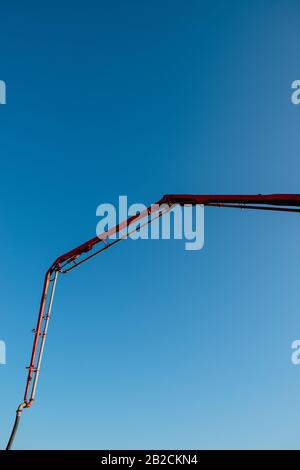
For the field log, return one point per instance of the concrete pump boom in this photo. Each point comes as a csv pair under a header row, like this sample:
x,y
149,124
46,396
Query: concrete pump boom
x,y
84,252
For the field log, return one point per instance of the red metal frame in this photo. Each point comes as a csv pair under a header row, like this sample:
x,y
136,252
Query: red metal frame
x,y
73,258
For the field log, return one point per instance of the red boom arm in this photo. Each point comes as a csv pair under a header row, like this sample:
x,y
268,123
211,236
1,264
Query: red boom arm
x,y
70,260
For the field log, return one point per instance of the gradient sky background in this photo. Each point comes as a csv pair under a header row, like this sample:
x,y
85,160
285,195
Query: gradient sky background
x,y
151,346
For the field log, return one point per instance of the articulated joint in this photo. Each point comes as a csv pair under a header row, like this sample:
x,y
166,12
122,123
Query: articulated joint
x,y
21,407
55,267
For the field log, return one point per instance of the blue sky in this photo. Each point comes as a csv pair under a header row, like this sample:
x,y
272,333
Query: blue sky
x,y
151,346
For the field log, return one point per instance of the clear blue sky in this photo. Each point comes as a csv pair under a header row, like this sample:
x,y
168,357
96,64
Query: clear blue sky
x,y
151,346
